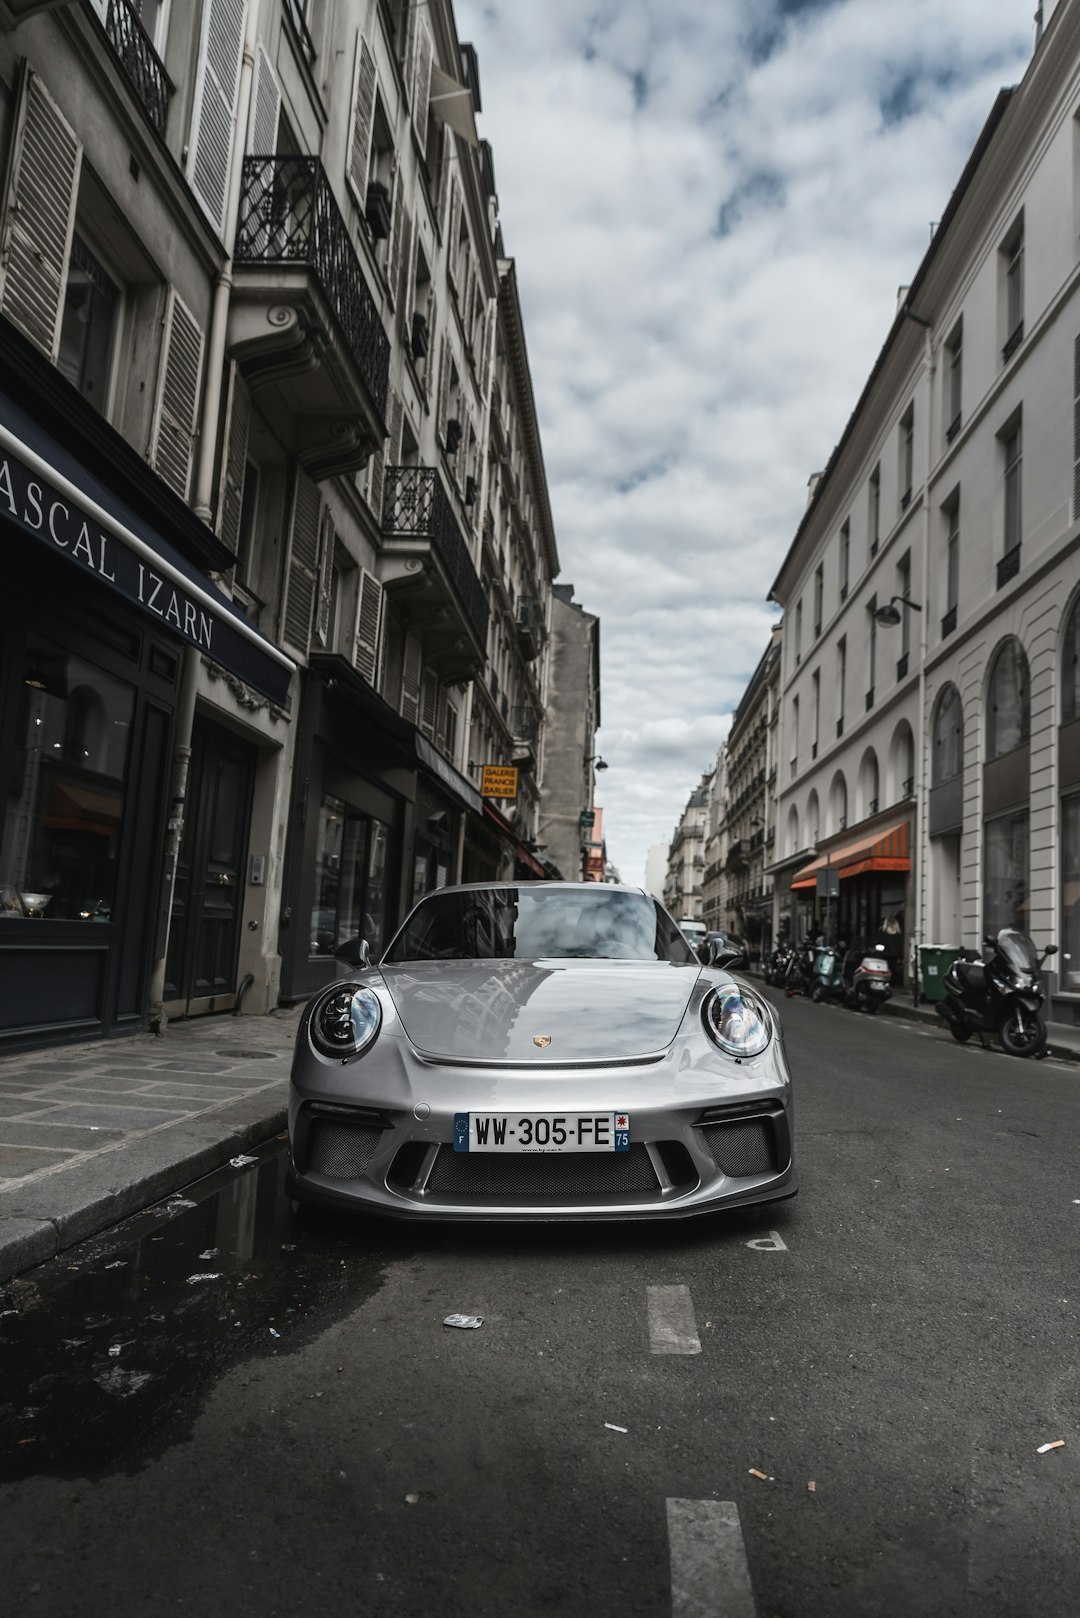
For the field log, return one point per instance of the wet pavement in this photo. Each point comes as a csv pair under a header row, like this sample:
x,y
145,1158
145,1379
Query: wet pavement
x,y
107,1350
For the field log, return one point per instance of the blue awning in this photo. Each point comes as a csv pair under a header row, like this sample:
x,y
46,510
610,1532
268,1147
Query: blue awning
x,y
49,496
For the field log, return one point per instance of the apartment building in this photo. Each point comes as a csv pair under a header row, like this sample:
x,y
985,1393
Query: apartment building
x,y
930,689
264,384
748,823
714,875
684,889
568,825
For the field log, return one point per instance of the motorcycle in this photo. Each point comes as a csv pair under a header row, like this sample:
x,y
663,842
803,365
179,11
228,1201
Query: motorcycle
x,y
799,977
776,968
999,995
867,978
828,974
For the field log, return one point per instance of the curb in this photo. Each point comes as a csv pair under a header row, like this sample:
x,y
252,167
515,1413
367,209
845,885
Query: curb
x,y
40,1221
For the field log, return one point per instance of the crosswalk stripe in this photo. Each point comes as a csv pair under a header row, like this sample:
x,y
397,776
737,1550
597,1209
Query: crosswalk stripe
x,y
710,1576
672,1327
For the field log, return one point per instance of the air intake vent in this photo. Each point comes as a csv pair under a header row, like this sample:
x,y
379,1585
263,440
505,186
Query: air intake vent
x,y
523,1174
341,1151
742,1148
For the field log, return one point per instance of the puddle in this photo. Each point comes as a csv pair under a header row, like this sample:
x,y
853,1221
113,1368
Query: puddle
x,y
108,1351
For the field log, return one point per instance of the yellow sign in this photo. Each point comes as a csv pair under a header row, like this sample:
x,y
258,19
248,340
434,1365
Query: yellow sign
x,y
498,781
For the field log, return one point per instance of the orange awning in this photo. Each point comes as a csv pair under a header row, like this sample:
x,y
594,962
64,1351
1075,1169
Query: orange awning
x,y
880,851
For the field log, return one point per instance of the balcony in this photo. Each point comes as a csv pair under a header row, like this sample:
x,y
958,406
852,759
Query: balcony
x,y
426,563
525,724
303,324
529,623
140,61
737,857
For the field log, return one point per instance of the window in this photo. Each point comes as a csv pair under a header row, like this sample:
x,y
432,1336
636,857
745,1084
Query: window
x,y
951,513
88,325
1008,708
1070,670
841,682
1070,893
66,799
1006,872
954,381
154,16
875,509
871,657
815,733
948,738
1013,263
845,557
907,455
903,590
350,878
819,596
1012,454
798,634
794,734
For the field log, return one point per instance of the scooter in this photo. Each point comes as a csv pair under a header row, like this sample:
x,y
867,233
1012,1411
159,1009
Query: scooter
x,y
799,977
867,978
776,970
999,995
828,974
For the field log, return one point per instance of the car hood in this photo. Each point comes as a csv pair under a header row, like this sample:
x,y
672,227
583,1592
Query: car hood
x,y
553,1011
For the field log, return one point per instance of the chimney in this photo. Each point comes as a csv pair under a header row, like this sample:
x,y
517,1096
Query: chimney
x,y
812,488
901,297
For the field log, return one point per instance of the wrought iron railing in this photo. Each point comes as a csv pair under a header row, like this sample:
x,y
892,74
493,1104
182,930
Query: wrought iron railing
x,y
289,215
416,506
139,60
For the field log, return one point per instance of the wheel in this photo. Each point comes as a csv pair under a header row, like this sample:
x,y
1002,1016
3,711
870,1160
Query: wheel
x,y
960,1032
1022,1033
817,993
872,1006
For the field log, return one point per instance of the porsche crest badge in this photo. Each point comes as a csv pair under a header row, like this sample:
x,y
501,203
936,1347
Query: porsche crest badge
x,y
543,1040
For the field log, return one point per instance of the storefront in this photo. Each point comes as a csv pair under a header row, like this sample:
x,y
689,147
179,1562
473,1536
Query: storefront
x,y
105,595
871,891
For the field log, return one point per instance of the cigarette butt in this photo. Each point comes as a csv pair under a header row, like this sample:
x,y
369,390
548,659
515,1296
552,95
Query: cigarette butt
x,y
811,1487
754,1473
1059,1443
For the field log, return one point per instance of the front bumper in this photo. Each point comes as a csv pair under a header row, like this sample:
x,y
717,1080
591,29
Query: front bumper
x,y
378,1136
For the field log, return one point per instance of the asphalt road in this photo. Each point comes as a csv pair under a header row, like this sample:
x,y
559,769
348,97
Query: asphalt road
x,y
297,1432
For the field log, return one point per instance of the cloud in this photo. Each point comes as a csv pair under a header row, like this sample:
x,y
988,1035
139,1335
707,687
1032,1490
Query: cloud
x,y
711,208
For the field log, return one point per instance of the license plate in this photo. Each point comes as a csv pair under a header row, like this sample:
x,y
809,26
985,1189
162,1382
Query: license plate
x,y
541,1132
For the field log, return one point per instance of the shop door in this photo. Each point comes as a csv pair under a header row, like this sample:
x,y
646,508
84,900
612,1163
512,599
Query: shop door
x,y
207,912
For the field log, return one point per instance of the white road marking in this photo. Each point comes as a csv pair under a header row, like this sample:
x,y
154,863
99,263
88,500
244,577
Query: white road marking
x,y
710,1576
772,1243
672,1327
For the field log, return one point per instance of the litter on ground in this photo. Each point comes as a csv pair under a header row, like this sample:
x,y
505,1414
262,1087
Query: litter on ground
x,y
1058,1443
610,1425
466,1322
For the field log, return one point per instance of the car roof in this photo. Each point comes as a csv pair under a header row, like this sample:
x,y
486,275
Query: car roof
x,y
484,887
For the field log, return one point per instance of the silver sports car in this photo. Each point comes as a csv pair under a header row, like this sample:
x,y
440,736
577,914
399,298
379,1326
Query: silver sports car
x,y
542,1050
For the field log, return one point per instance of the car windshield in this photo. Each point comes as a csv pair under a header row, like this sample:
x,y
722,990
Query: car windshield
x,y
542,923
1018,949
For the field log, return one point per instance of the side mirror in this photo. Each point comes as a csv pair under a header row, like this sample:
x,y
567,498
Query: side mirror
x,y
1051,949
725,956
355,953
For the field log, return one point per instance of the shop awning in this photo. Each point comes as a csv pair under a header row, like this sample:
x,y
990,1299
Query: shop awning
x,y
52,499
880,851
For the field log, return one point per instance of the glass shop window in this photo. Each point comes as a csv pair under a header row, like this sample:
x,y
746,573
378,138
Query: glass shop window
x,y
65,808
350,879
1006,873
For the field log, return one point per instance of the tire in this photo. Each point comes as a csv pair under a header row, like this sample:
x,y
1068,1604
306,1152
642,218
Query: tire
x,y
817,993
873,1006
1026,1038
960,1032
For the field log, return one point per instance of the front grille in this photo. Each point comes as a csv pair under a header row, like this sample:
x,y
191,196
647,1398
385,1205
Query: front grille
x,y
741,1148
577,1175
341,1151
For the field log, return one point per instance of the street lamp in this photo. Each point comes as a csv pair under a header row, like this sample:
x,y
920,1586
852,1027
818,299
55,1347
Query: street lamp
x,y
596,761
889,614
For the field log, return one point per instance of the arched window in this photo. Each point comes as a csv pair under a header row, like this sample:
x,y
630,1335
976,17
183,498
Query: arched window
x,y
813,820
793,830
838,803
869,783
901,763
948,760
1070,667
1008,702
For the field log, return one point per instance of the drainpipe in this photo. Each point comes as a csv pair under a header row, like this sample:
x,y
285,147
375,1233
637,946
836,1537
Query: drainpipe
x,y
202,501
921,853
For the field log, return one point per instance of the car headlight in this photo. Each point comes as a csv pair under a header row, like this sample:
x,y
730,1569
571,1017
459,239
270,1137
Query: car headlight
x,y
346,1021
737,1021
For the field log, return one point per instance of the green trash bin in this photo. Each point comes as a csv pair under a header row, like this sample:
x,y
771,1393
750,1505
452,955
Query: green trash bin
x,y
934,961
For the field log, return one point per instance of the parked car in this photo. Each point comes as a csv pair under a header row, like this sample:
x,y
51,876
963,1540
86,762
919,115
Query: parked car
x,y
512,1057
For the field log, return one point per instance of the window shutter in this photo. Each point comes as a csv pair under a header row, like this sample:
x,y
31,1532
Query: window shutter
x,y
210,146
265,109
397,427
39,217
393,262
442,415
420,88
450,732
369,622
1076,429
429,362
429,703
173,436
363,114
300,576
410,679
490,315
234,459
408,280
326,577
453,233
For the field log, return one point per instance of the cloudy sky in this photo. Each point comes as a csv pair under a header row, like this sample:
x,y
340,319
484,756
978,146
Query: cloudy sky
x,y
711,204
